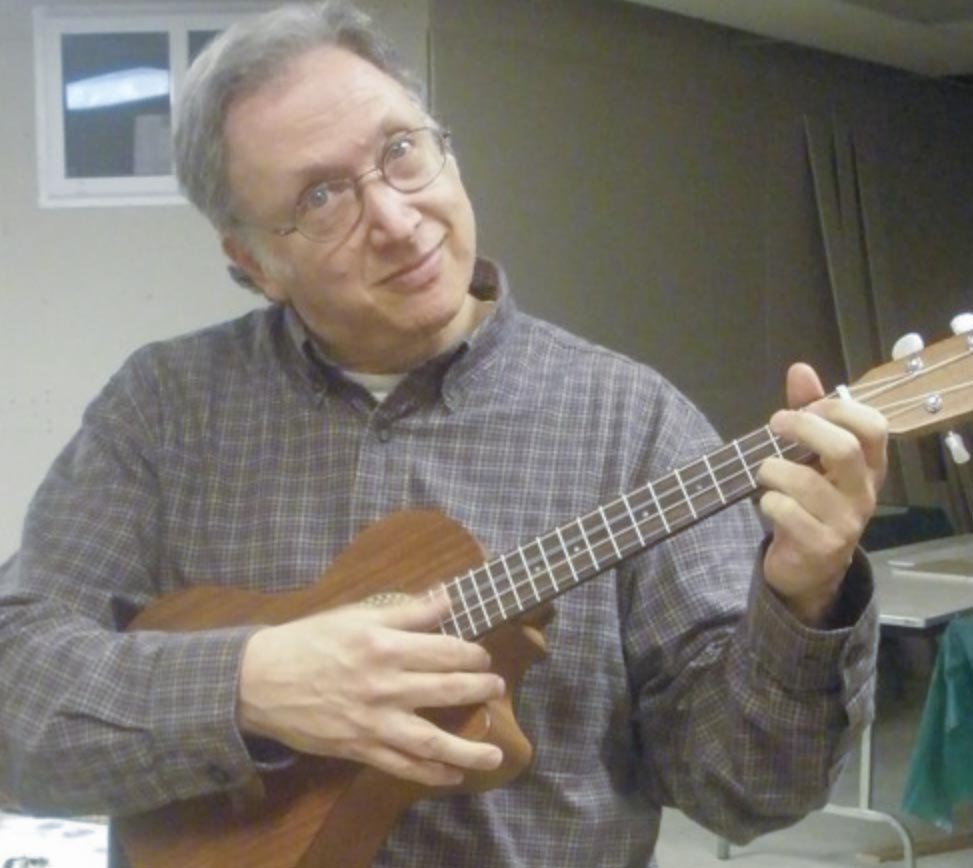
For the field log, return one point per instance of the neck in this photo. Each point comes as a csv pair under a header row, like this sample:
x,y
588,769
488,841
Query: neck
x,y
396,357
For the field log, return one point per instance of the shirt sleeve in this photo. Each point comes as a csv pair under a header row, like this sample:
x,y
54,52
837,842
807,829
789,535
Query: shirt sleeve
x,y
745,715
94,720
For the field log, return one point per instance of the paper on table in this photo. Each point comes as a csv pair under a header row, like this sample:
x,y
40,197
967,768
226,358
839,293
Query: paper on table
x,y
63,843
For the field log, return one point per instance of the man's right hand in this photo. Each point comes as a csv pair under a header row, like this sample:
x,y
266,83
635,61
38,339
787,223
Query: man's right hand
x,y
347,683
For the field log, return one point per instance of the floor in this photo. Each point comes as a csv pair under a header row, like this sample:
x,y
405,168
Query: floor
x,y
824,839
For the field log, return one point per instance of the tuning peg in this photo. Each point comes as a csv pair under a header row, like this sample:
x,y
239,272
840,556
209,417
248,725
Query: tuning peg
x,y
906,346
957,448
961,323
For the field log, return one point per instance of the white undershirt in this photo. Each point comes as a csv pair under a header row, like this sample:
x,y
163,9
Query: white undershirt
x,y
380,385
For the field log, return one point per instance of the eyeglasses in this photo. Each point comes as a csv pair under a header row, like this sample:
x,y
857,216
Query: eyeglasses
x,y
410,161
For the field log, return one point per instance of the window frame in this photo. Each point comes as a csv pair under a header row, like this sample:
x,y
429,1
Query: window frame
x,y
51,24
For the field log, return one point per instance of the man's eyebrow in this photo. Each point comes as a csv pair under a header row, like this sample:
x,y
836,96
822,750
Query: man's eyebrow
x,y
321,172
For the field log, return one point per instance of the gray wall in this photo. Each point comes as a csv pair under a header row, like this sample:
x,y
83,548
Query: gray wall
x,y
80,288
645,178
642,177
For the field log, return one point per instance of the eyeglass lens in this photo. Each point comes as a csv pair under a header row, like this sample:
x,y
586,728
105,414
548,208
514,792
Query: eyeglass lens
x,y
410,161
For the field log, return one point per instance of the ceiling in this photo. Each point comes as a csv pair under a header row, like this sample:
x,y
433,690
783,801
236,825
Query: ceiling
x,y
929,37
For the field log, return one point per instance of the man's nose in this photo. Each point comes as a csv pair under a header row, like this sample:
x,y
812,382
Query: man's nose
x,y
391,214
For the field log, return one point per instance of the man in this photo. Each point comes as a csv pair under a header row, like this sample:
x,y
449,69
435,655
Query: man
x,y
392,370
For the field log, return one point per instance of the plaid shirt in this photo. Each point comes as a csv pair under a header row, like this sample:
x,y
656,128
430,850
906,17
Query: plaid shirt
x,y
236,456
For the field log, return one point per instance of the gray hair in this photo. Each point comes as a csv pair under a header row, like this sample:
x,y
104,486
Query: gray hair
x,y
247,56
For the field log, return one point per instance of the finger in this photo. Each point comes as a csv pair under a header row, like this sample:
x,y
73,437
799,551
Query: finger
x,y
417,737
839,451
425,652
440,690
793,520
809,509
803,385
868,425
402,765
419,613
806,556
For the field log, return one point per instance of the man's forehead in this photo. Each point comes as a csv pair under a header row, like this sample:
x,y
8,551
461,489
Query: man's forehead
x,y
327,87
327,108
339,77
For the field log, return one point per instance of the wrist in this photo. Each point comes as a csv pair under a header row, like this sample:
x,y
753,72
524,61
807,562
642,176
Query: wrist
x,y
250,718
813,610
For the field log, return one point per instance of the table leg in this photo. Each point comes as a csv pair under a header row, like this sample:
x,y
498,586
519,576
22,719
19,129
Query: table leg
x,y
864,810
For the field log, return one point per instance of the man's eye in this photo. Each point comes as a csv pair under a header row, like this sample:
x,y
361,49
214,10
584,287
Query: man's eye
x,y
317,198
399,148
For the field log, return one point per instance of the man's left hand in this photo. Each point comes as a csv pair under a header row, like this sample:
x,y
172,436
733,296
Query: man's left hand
x,y
819,511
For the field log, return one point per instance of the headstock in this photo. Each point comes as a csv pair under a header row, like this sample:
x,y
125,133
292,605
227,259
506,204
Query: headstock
x,y
924,389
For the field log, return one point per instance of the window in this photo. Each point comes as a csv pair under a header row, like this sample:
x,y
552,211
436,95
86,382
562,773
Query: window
x,y
106,81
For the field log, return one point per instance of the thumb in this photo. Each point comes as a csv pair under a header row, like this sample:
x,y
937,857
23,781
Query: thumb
x,y
803,386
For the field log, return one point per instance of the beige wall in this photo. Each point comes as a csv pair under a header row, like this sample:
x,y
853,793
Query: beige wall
x,y
80,288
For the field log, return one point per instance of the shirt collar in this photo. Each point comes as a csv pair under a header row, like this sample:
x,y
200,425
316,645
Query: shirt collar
x,y
487,284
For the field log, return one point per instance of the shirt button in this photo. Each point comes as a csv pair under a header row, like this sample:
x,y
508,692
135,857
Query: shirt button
x,y
385,434
218,774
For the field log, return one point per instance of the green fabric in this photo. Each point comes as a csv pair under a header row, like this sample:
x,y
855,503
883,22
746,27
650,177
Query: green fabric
x,y
941,768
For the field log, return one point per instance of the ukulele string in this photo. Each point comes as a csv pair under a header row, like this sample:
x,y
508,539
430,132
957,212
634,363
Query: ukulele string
x,y
594,540
521,579
867,392
906,405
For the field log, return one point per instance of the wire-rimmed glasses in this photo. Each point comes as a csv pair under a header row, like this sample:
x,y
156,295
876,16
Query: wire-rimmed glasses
x,y
410,161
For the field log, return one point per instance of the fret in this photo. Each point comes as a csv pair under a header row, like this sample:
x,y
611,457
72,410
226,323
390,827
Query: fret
x,y
676,500
591,551
452,610
743,461
547,567
658,507
476,589
530,574
431,595
774,441
611,536
466,608
568,556
644,514
762,445
685,494
635,524
733,481
513,584
488,566
712,475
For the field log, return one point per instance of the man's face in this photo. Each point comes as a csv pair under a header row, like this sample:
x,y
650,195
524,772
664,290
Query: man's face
x,y
395,290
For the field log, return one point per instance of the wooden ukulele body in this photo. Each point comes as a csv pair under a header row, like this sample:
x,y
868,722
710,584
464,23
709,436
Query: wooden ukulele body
x,y
321,812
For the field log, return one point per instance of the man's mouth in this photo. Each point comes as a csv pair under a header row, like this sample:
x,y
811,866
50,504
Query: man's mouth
x,y
419,271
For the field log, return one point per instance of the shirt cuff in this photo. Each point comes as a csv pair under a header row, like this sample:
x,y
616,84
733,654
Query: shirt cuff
x,y
808,659
198,747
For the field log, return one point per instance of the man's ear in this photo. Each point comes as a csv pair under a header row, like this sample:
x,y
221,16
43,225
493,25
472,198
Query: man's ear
x,y
241,256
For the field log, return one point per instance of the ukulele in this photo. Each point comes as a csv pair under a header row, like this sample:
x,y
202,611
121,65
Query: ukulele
x,y
320,812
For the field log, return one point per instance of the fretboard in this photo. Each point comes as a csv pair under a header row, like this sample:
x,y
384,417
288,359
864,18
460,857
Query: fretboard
x,y
561,559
